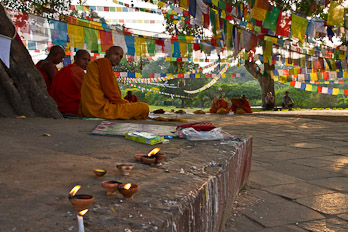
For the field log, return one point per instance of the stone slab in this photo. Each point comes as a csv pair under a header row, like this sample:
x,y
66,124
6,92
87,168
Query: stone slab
x,y
337,183
297,190
333,203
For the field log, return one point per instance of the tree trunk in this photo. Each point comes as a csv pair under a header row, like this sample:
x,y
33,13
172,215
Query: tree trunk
x,y
265,80
22,88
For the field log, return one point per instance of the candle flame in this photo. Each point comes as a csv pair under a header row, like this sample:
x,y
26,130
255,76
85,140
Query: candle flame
x,y
153,152
74,190
83,212
127,186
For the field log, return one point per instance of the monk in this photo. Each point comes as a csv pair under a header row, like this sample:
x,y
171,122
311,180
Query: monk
x,y
47,67
219,105
131,97
100,94
241,105
66,85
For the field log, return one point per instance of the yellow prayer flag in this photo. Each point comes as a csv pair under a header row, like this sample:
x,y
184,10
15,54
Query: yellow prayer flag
x,y
195,60
314,77
298,27
215,2
85,8
168,59
184,4
161,4
189,39
138,74
183,50
335,91
309,87
345,74
118,9
258,13
198,75
76,35
335,15
140,46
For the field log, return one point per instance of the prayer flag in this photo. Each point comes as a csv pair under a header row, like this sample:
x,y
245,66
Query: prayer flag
x,y
335,14
130,45
271,19
258,12
105,40
59,32
5,45
283,24
298,27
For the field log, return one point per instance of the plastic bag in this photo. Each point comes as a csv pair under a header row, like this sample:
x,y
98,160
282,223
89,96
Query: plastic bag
x,y
191,134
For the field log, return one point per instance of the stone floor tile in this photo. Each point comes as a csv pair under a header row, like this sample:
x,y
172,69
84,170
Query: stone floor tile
x,y
269,178
290,228
325,225
333,203
271,214
312,162
338,183
241,223
343,216
301,171
297,190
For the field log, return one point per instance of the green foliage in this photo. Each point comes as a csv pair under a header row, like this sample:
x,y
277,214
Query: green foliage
x,y
49,8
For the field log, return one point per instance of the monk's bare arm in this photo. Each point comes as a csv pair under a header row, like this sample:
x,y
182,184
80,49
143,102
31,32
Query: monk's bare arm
x,y
49,69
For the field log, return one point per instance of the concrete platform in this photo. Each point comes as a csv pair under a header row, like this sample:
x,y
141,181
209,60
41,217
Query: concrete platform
x,y
192,191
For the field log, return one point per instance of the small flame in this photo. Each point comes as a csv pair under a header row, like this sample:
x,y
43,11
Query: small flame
x,y
74,190
127,186
153,152
83,212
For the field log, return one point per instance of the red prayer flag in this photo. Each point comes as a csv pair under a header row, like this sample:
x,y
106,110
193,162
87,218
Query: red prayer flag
x,y
320,89
345,91
283,24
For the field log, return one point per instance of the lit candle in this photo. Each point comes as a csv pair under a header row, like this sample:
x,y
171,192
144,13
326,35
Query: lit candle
x,y
80,220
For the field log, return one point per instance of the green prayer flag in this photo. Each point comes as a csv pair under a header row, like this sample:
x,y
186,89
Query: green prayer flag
x,y
151,46
271,19
91,38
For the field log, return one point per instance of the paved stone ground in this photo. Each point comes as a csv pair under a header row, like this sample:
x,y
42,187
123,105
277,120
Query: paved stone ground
x,y
299,175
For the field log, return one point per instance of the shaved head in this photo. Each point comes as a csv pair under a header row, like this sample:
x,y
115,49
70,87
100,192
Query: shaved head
x,y
82,58
114,54
57,53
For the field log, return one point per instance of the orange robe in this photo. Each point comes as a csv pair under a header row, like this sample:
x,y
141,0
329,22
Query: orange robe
x,y
240,107
101,96
217,104
66,87
44,75
132,98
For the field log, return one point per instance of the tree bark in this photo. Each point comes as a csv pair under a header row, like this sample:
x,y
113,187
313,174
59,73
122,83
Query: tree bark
x,y
265,80
22,88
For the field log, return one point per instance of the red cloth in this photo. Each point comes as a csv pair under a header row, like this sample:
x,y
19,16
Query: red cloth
x,y
44,75
131,99
284,24
238,103
198,126
65,88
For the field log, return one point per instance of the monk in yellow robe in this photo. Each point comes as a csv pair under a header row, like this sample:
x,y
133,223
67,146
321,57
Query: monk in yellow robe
x,y
100,94
219,105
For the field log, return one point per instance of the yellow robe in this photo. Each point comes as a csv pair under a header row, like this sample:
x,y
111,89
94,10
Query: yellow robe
x,y
101,96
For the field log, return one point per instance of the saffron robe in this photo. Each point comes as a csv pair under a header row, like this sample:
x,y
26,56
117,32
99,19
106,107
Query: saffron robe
x,y
44,75
240,107
101,96
66,87
132,98
217,104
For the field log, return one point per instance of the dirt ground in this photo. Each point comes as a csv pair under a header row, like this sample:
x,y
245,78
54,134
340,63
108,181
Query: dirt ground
x,y
37,173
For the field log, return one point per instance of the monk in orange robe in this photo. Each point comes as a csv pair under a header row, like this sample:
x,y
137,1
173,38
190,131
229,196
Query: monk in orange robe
x,y
100,94
66,85
131,97
47,67
219,105
241,105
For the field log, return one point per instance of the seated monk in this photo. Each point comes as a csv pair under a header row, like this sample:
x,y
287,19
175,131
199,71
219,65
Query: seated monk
x,y
131,97
240,105
47,67
100,94
66,85
219,105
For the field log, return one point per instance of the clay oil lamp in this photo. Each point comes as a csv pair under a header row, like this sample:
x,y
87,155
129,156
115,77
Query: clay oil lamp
x,y
110,187
80,220
125,168
150,158
80,201
128,190
138,157
99,172
160,157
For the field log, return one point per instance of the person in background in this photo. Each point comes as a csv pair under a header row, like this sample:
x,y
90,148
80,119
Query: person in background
x,y
47,67
100,94
241,105
269,99
219,105
66,85
288,103
131,97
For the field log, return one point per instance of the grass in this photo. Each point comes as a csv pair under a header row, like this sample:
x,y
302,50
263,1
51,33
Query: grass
x,y
168,108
